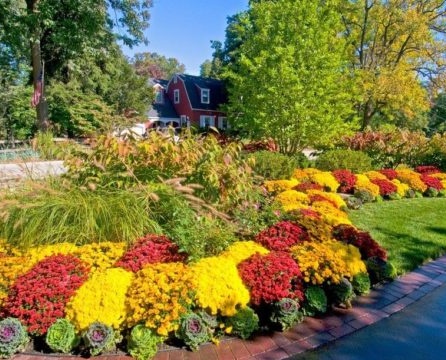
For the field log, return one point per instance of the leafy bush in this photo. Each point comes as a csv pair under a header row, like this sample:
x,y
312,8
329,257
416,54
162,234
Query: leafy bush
x,y
380,270
142,342
364,195
243,323
13,337
431,192
274,165
355,161
315,301
61,336
193,331
98,338
361,283
285,313
341,293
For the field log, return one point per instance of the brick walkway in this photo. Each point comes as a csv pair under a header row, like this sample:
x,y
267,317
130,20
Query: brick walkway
x,y
383,301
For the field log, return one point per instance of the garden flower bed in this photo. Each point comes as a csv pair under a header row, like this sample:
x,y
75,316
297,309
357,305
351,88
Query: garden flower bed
x,y
93,298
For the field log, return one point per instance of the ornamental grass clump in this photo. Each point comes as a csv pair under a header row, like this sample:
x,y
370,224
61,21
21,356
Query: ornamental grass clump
x,y
62,337
142,342
285,313
281,236
315,301
38,298
13,337
271,277
244,323
360,239
101,298
193,331
218,286
159,295
150,249
99,338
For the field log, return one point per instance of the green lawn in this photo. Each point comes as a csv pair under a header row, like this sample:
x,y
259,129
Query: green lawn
x,y
411,230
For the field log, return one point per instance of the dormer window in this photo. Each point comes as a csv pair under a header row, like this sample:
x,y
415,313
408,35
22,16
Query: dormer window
x,y
205,96
176,96
159,97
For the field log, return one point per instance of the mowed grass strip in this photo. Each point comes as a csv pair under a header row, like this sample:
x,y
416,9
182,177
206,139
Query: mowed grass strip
x,y
413,231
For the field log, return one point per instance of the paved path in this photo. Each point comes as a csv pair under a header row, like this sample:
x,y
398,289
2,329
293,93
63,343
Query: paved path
x,y
36,169
410,308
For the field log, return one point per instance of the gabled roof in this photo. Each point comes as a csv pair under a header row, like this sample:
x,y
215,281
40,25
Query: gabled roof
x,y
194,84
162,82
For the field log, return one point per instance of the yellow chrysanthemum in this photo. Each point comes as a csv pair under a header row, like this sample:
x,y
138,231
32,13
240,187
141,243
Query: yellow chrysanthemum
x,y
363,183
280,185
291,197
411,178
242,250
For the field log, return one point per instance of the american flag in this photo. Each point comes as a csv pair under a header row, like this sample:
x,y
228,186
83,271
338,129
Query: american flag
x,y
37,90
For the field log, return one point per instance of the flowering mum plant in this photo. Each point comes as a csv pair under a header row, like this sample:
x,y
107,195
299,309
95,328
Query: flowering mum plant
x,y
432,182
13,337
38,297
346,179
193,331
307,185
390,174
427,169
285,313
150,249
361,239
271,277
386,187
142,342
62,337
281,236
242,250
98,338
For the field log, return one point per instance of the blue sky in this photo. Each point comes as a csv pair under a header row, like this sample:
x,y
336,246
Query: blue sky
x,y
183,29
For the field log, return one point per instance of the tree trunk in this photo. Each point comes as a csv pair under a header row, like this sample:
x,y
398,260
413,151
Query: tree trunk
x,y
36,60
367,114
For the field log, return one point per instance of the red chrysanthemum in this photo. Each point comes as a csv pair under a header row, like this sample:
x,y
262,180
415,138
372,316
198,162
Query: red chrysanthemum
x,y
386,187
391,174
427,169
281,236
346,179
432,182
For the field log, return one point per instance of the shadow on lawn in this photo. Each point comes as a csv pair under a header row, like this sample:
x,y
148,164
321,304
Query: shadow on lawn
x,y
411,252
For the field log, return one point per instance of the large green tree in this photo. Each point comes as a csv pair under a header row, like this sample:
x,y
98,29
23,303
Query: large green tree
x,y
289,81
153,65
57,31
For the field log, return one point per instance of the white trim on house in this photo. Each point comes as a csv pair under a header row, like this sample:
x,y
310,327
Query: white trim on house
x,y
176,96
205,96
207,120
223,123
183,120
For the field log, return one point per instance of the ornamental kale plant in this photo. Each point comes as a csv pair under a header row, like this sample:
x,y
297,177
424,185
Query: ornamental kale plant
x,y
315,301
13,337
142,342
361,283
62,337
281,236
193,331
98,338
243,323
342,293
285,313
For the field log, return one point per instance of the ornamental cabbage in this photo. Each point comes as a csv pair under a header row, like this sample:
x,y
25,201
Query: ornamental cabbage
x,y
142,342
61,336
285,313
243,323
193,331
98,338
13,337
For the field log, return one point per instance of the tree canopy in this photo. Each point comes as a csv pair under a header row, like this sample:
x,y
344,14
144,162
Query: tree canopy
x,y
153,65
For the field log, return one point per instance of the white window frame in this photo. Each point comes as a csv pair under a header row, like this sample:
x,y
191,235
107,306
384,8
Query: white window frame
x,y
205,96
159,97
183,120
207,120
176,96
223,122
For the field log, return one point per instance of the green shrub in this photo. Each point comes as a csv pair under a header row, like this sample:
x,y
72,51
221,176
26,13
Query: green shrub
x,y
361,283
380,270
285,313
244,322
364,195
342,293
142,342
431,192
315,301
193,331
273,165
355,161
442,193
61,336
13,337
